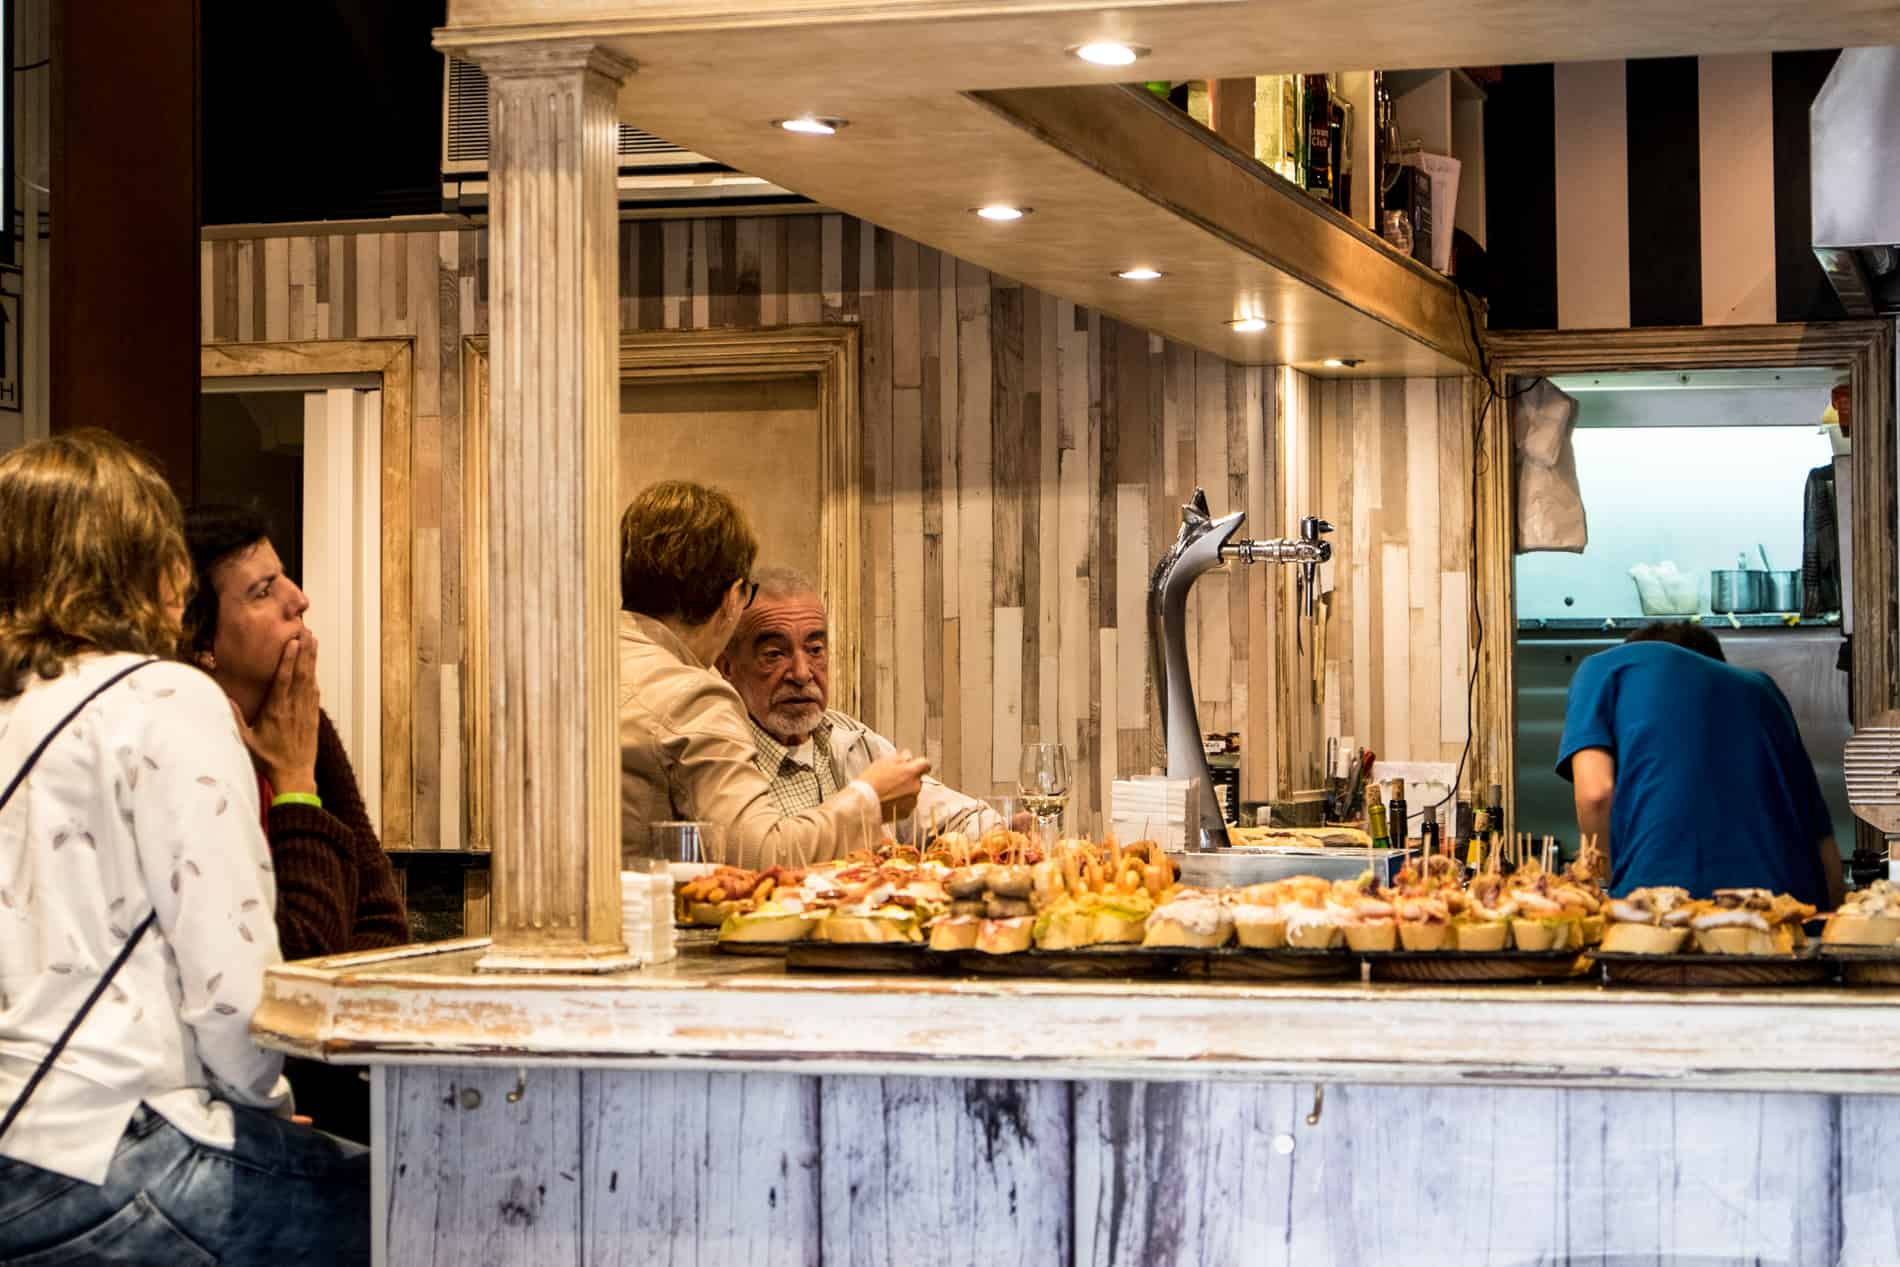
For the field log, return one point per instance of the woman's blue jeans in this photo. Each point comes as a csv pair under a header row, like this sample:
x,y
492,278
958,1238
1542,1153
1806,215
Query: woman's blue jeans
x,y
283,1195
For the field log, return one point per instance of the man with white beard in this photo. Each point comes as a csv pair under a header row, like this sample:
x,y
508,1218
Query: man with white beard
x,y
779,662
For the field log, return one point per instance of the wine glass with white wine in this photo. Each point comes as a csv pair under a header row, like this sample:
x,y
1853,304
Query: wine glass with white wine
x,y
1043,779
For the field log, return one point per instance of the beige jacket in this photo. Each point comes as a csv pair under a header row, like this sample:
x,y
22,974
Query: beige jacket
x,y
686,753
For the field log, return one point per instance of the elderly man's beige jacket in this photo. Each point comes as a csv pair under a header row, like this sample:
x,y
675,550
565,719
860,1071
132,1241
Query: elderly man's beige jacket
x,y
686,753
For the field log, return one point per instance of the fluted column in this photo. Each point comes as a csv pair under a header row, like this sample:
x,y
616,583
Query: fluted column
x,y
553,560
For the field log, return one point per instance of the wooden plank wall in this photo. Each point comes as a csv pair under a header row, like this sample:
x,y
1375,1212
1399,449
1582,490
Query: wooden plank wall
x,y
1024,461
429,286
1024,464
691,1167
1395,477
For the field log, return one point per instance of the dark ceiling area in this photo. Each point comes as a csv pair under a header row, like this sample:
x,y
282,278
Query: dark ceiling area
x,y
320,109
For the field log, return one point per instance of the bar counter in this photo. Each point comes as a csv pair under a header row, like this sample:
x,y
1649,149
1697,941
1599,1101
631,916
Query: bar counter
x,y
724,1110
426,1004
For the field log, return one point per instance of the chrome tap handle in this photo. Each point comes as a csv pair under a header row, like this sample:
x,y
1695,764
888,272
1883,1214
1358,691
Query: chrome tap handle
x,y
1311,530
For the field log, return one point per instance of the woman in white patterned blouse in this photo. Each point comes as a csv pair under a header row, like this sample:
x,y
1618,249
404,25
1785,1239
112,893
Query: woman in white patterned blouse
x,y
159,1132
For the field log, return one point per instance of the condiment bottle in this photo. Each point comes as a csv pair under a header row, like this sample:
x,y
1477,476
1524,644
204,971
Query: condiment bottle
x,y
1396,812
1494,811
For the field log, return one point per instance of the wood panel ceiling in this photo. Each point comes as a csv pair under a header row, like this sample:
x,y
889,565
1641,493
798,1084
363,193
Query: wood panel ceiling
x,y
920,151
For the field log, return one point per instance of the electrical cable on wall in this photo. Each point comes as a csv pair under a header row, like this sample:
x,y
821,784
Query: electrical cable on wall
x,y
1490,399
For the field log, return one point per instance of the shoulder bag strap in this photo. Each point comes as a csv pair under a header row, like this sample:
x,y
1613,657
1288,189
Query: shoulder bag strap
x,y
125,951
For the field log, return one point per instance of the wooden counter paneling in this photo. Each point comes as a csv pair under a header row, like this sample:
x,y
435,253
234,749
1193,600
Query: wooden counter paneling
x,y
683,1167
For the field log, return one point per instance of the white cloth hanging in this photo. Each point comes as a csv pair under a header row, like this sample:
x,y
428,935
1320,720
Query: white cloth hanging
x,y
1549,502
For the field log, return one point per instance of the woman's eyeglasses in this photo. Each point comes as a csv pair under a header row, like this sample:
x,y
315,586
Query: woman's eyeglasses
x,y
751,592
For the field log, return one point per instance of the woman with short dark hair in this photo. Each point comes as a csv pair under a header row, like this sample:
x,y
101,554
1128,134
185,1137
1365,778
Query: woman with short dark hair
x,y
336,891
686,749
139,1122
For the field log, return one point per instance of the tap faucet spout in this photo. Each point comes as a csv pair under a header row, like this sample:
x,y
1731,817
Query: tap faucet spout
x,y
1204,543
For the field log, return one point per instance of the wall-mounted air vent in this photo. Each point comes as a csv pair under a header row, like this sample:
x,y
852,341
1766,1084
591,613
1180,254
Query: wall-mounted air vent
x,y
656,176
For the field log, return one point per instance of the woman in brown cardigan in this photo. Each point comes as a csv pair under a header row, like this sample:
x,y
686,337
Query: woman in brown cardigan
x,y
336,891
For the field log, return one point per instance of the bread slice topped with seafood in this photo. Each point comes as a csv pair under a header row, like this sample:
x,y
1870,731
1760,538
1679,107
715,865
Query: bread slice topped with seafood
x,y
1751,922
1869,917
989,909
1197,919
1096,895
1650,921
894,905
1484,926
708,900
1549,910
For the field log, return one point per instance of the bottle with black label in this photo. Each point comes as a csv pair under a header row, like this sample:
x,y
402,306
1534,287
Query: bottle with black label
x,y
1341,150
1428,841
1318,130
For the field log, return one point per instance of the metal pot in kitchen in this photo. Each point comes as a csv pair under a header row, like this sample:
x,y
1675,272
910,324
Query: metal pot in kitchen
x,y
1736,590
1781,591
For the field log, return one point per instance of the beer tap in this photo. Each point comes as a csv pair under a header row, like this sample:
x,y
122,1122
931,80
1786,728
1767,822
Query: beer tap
x,y
1205,543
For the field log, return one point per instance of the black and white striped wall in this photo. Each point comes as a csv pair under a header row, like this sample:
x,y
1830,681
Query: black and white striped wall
x,y
1667,191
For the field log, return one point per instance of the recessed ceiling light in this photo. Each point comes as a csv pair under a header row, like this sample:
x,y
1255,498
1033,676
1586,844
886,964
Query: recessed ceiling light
x,y
1249,325
1002,211
811,125
1140,274
1340,362
1109,53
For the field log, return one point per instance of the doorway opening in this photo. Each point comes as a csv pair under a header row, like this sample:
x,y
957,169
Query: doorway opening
x,y
306,453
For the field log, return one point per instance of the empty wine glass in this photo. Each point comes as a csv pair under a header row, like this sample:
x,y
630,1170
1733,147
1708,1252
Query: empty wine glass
x,y
1043,778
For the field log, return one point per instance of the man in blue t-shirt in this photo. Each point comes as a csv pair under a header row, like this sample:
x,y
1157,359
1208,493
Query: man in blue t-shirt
x,y
1691,772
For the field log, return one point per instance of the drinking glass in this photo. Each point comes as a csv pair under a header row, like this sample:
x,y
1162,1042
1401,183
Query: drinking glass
x,y
1043,778
687,842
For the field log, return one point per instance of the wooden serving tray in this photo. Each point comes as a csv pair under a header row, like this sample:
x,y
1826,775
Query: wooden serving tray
x,y
887,956
1454,967
1288,963
753,949
1115,960
1865,965
1699,970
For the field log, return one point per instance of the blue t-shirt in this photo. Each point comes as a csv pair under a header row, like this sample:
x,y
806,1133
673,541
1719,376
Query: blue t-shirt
x,y
1713,789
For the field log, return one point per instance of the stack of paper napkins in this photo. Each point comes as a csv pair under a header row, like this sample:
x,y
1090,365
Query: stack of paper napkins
x,y
1152,807
646,916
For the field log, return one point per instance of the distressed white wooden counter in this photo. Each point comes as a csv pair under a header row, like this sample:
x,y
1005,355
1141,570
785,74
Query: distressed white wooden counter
x,y
722,1111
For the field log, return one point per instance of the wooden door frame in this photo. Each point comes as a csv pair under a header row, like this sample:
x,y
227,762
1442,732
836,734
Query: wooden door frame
x,y
826,353
394,361
1864,350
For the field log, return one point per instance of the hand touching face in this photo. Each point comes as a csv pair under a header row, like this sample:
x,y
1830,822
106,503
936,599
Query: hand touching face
x,y
259,611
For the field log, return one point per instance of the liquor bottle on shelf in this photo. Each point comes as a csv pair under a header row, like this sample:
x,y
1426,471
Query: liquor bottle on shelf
x,y
1268,147
1200,103
1384,172
1292,133
1318,134
1341,149
1375,819
1398,813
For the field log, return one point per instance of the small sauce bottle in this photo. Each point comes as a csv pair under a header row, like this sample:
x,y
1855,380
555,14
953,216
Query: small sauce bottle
x,y
1428,831
1397,811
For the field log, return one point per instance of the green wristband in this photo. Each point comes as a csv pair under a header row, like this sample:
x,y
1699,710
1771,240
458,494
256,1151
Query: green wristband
x,y
297,798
